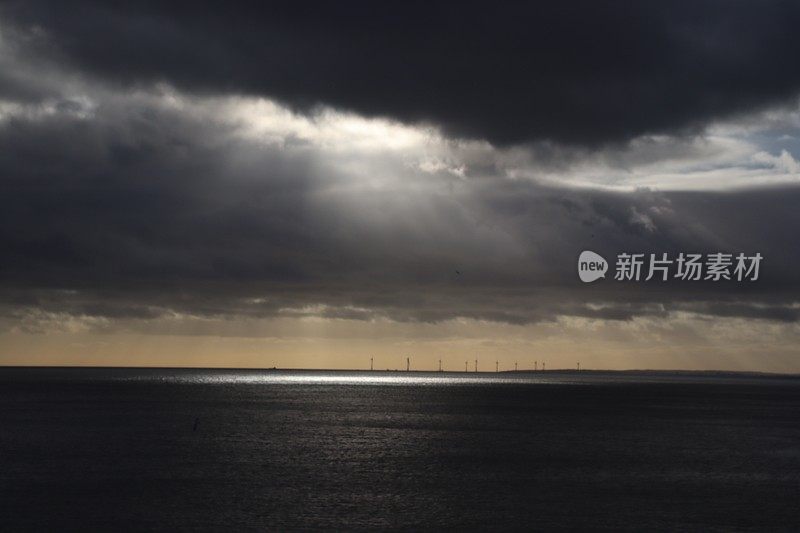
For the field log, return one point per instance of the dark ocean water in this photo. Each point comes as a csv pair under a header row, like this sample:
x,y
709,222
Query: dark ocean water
x,y
103,449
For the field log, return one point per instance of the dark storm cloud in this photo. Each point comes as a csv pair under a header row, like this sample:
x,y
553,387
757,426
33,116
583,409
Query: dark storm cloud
x,y
137,210
117,204
578,72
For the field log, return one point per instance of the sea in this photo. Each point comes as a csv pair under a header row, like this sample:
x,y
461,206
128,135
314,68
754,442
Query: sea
x,y
104,449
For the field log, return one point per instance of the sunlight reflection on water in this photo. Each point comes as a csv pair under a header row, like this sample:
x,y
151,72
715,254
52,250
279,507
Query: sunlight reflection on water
x,y
416,379
284,377
391,379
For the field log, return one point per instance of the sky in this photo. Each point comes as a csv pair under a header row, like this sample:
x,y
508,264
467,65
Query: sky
x,y
312,186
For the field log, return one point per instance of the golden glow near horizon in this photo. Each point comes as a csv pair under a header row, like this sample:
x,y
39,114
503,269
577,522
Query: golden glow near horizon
x,y
689,343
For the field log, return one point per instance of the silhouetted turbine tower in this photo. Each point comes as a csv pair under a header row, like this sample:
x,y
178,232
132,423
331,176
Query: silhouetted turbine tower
x,y
579,366
515,366
408,364
535,366
497,366
466,366
370,364
542,366
476,365
440,365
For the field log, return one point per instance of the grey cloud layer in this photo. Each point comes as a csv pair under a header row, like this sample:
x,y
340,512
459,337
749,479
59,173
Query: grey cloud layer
x,y
142,209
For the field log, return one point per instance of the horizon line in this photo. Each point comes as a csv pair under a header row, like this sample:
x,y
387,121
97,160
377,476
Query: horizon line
x,y
401,371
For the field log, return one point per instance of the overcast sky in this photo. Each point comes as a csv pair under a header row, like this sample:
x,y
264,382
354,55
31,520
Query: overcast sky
x,y
309,186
